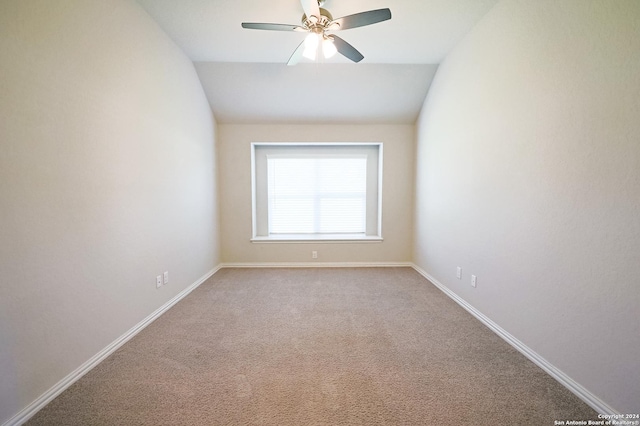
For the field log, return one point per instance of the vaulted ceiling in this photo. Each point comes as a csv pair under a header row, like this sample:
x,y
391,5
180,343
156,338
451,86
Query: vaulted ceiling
x,y
246,79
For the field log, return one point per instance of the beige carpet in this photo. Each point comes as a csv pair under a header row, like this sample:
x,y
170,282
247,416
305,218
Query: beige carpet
x,y
378,346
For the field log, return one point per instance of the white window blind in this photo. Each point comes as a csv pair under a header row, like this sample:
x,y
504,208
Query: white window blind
x,y
316,191
317,195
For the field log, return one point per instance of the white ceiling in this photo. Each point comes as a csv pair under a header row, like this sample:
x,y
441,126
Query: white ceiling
x,y
246,79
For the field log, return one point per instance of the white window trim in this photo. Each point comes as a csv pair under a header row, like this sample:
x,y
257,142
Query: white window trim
x,y
315,238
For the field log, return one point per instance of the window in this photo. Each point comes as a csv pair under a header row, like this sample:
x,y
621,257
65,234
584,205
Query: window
x,y
316,191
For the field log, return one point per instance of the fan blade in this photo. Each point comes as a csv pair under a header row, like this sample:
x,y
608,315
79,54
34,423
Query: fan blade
x,y
271,27
297,54
361,19
346,49
311,8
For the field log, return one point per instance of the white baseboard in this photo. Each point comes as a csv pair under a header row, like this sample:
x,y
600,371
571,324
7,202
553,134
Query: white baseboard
x,y
319,265
582,393
576,388
31,409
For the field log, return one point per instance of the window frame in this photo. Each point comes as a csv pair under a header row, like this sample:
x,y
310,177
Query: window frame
x,y
257,230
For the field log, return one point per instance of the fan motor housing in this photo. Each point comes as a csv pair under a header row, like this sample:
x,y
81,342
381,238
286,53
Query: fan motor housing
x,y
325,19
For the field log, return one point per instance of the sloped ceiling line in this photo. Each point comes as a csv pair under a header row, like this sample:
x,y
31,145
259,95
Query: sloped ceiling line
x,y
246,80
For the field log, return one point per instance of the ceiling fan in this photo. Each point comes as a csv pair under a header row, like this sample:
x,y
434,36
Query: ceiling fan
x,y
318,22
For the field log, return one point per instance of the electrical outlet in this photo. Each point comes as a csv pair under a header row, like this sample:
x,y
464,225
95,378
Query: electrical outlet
x,y
459,273
166,277
473,280
314,254
159,281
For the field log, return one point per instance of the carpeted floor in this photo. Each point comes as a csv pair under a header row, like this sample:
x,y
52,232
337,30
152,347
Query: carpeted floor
x,y
362,346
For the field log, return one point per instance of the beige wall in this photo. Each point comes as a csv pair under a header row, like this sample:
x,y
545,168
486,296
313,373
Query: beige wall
x,y
529,177
235,194
107,179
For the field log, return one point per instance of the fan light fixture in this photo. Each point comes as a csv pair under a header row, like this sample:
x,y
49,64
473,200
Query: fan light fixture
x,y
311,43
328,48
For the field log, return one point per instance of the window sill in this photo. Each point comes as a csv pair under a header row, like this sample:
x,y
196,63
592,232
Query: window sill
x,y
317,238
